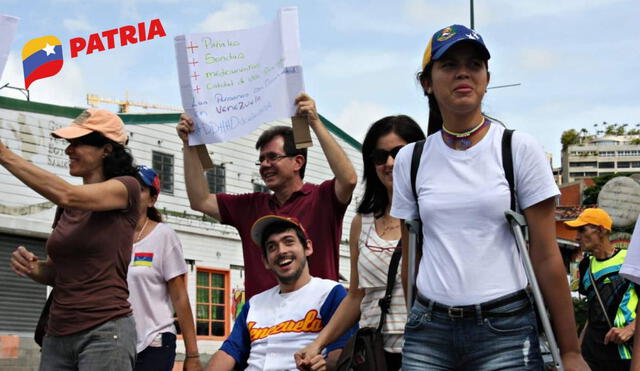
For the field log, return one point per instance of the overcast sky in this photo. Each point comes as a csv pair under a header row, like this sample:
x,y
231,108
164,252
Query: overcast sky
x,y
577,60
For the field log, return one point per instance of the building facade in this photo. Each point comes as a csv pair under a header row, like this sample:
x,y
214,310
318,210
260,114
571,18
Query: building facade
x,y
601,156
215,280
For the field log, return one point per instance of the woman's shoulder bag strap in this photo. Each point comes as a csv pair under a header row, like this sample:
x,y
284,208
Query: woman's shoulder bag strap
x,y
385,302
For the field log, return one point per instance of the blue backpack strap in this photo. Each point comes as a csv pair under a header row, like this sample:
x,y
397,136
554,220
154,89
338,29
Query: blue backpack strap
x,y
507,164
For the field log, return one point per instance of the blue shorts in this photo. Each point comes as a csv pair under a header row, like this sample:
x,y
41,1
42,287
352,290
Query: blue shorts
x,y
504,337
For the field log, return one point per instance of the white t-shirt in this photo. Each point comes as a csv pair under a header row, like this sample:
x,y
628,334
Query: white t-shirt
x,y
155,260
272,326
469,252
631,266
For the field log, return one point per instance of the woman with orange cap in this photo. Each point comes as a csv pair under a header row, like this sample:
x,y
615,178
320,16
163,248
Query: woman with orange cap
x,y
90,326
473,311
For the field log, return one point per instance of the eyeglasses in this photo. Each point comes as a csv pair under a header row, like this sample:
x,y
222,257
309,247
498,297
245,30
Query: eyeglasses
x,y
374,247
380,156
271,158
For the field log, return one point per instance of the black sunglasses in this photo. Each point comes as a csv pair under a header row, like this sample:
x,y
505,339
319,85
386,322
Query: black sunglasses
x,y
380,156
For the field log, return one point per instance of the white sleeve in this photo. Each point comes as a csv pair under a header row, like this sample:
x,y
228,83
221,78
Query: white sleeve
x,y
403,205
173,263
532,171
631,266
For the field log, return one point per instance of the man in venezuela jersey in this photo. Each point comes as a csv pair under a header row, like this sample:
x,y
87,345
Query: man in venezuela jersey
x,y
274,324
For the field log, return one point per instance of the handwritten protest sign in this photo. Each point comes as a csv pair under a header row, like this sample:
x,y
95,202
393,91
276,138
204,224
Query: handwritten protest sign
x,y
8,27
231,82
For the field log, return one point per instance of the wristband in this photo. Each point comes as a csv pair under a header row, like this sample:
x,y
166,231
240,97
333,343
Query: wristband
x,y
192,355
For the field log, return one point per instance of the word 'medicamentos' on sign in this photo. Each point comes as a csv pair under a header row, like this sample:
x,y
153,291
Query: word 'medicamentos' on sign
x,y
231,82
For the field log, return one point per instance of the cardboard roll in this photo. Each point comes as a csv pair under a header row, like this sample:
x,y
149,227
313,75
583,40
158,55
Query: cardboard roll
x,y
620,198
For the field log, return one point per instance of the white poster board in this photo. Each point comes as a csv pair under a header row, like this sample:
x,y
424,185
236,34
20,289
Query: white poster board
x,y
231,82
8,28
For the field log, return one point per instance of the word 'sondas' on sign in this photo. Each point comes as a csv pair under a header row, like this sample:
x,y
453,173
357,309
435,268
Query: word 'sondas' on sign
x,y
125,35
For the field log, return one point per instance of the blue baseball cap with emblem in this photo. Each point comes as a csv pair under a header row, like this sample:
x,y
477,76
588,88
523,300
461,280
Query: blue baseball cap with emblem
x,y
150,178
447,37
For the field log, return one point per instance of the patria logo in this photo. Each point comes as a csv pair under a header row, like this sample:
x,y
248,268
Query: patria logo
x,y
42,57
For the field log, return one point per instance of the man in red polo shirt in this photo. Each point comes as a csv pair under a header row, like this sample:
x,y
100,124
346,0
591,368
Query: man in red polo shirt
x,y
320,208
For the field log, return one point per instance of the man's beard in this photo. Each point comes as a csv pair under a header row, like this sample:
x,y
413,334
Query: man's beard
x,y
294,277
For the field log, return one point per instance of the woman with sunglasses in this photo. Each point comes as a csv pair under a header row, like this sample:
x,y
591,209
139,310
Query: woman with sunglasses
x,y
472,310
157,286
90,326
373,238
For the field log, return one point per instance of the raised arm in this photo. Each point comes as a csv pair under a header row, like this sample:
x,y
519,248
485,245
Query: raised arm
x,y
547,264
197,190
346,178
108,195
348,312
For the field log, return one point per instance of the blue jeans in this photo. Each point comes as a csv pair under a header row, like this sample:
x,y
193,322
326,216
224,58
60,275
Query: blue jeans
x,y
435,340
110,346
158,358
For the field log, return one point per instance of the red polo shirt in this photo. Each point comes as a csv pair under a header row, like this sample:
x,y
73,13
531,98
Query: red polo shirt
x,y
315,206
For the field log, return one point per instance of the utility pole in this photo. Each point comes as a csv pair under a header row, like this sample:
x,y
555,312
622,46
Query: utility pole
x,y
472,23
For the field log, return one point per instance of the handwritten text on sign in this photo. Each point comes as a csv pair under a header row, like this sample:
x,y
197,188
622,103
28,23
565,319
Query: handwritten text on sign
x,y
232,82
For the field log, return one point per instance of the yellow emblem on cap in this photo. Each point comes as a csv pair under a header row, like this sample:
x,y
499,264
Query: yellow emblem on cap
x,y
446,34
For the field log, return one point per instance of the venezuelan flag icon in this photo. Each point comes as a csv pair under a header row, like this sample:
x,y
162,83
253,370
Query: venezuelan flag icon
x,y
41,57
144,259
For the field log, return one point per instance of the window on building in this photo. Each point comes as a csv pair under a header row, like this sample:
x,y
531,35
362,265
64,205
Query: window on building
x,y
624,164
591,173
212,303
260,187
635,163
606,165
216,179
575,174
162,163
629,153
607,143
583,164
607,153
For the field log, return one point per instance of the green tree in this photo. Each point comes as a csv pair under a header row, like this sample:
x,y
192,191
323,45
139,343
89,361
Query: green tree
x,y
620,129
591,193
568,138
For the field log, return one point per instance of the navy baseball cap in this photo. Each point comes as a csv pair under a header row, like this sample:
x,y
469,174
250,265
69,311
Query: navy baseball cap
x,y
150,178
447,37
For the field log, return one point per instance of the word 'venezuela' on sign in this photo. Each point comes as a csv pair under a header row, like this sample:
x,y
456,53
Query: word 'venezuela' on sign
x,y
124,35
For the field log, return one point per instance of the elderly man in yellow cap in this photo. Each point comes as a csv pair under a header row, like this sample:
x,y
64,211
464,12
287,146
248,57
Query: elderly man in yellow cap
x,y
612,300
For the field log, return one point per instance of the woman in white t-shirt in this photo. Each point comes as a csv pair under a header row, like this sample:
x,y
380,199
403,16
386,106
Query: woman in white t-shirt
x,y
472,309
373,238
156,281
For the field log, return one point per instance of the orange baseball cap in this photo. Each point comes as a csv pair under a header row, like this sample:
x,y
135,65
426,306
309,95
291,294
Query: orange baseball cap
x,y
594,216
260,225
104,122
